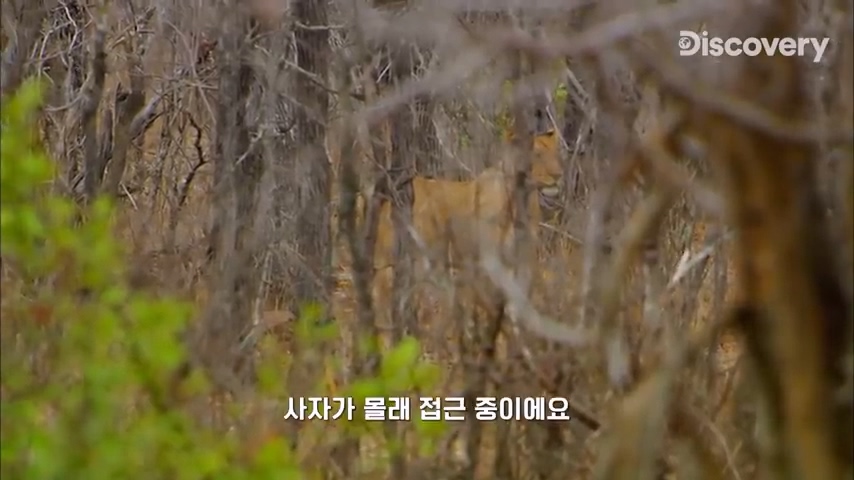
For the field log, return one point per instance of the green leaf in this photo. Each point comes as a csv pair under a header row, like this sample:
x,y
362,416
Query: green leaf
x,y
402,357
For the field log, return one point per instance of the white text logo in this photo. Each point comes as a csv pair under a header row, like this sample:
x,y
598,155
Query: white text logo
x,y
692,43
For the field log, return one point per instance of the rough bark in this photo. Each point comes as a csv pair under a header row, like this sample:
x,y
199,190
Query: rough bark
x,y
403,166
93,89
312,282
237,175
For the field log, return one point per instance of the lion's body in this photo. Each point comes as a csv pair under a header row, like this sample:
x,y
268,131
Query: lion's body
x,y
453,221
442,210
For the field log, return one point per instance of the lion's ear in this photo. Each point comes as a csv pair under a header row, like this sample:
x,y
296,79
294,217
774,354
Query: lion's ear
x,y
546,142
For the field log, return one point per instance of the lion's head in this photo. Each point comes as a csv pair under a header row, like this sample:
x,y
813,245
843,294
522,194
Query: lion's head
x,y
546,168
546,172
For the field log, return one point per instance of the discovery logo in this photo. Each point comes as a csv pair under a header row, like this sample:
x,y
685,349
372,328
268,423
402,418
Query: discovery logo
x,y
692,43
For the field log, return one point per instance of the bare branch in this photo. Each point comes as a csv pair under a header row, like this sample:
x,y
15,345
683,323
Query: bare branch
x,y
522,311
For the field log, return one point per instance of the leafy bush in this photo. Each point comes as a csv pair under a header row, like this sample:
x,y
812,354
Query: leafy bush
x,y
86,363
82,373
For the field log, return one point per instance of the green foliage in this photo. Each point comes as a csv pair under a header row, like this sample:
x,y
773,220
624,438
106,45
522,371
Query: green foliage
x,y
87,377
92,407
560,93
401,371
504,117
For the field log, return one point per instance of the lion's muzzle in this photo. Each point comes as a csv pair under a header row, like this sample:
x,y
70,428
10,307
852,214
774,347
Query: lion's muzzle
x,y
550,192
549,197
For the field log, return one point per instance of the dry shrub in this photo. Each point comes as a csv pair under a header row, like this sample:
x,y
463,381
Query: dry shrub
x,y
693,296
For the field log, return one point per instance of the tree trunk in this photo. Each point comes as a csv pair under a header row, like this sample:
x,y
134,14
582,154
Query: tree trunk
x,y
26,24
312,282
237,175
405,132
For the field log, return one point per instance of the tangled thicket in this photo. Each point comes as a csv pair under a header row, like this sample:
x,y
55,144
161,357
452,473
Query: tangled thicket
x,y
192,197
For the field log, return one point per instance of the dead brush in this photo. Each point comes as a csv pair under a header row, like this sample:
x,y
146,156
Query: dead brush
x,y
685,297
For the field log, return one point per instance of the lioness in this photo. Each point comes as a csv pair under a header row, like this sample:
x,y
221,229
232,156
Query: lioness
x,y
452,220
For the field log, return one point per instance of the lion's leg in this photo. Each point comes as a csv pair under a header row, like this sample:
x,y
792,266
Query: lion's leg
x,y
382,293
486,315
479,318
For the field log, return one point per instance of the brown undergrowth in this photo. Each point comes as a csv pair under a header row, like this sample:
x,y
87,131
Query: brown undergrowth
x,y
682,292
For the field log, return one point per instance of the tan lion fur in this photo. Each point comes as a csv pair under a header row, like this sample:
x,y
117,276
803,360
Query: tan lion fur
x,y
453,220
